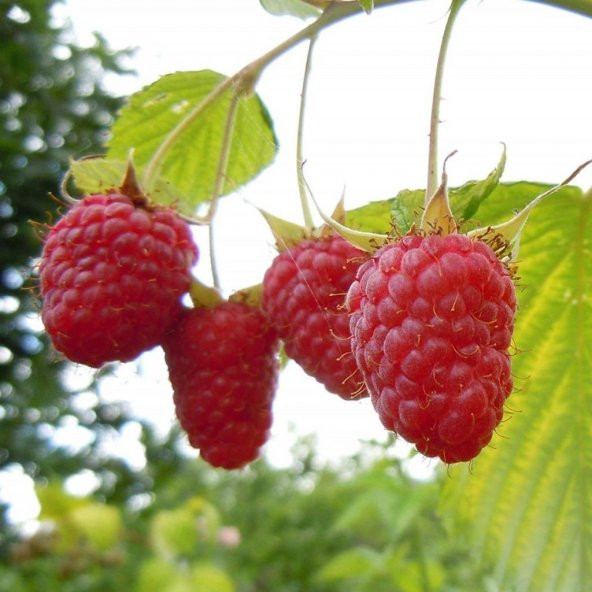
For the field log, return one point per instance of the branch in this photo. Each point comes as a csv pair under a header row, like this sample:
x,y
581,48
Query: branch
x,y
245,79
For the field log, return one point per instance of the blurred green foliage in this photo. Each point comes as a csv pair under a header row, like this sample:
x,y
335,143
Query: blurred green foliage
x,y
52,106
363,525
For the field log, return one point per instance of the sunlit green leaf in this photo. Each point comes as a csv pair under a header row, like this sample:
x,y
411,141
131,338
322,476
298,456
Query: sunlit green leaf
x,y
97,175
209,578
579,6
55,503
174,532
465,200
297,8
393,505
350,564
407,207
526,504
373,217
99,523
191,160
414,575
156,574
206,516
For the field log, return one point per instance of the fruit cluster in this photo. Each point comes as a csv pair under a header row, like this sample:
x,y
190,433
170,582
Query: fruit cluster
x,y
422,325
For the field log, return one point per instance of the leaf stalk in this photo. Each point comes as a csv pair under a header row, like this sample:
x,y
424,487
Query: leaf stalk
x,y
246,78
306,213
433,174
220,179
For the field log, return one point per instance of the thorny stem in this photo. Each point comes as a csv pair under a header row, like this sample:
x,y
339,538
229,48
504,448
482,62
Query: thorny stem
x,y
308,222
433,175
220,178
245,79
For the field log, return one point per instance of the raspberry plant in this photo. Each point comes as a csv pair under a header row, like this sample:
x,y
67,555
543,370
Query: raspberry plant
x,y
435,315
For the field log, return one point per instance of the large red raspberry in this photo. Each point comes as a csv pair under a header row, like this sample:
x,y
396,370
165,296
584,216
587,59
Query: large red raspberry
x,y
223,366
303,295
432,320
112,274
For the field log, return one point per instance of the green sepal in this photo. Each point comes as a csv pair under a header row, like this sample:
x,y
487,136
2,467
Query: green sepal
x,y
286,233
465,200
107,175
252,296
400,213
510,231
366,241
202,295
437,216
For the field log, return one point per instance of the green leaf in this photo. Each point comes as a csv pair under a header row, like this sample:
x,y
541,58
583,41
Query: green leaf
x,y
156,574
206,516
393,506
367,5
373,217
297,8
353,563
583,7
165,112
415,574
206,577
98,175
99,523
466,199
407,207
174,532
55,503
526,503
509,198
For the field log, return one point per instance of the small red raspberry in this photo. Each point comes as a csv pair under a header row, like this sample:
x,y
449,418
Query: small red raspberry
x,y
223,367
112,274
432,320
303,295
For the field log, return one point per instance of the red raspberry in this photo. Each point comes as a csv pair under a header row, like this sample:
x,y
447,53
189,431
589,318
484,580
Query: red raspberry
x,y
303,295
432,319
112,274
223,367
